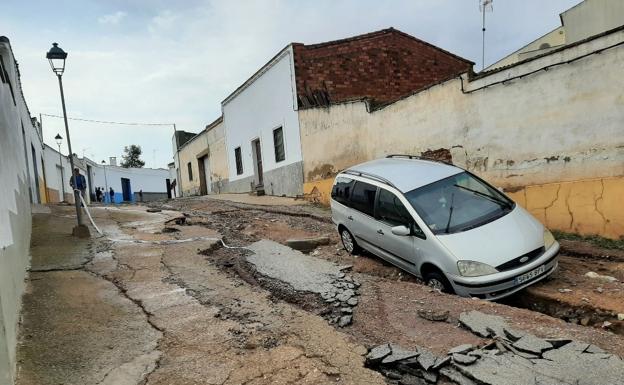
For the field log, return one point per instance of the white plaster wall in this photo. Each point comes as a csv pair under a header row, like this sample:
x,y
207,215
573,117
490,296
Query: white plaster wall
x,y
550,126
264,104
51,158
15,213
146,179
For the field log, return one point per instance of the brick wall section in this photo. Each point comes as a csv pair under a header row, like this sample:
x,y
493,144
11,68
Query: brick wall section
x,y
383,66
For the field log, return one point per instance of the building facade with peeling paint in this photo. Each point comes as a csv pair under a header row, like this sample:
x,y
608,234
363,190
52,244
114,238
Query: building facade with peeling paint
x,y
203,161
548,130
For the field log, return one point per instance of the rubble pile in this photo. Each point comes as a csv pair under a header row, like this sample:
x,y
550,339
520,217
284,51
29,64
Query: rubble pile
x,y
343,297
510,357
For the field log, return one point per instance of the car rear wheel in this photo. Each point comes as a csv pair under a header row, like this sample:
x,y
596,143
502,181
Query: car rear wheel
x,y
438,281
349,242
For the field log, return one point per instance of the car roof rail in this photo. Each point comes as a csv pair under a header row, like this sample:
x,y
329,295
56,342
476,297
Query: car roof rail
x,y
418,157
404,156
370,175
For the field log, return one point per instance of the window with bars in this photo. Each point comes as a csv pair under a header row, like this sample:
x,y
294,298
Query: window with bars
x,y
190,170
239,160
278,144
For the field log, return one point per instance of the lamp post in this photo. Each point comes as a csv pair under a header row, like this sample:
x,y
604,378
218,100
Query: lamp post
x,y
105,182
56,56
59,141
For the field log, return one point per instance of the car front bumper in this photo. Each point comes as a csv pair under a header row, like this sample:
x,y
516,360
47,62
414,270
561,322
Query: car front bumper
x,y
500,285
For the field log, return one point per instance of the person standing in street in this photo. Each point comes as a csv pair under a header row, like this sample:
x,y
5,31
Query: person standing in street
x,y
78,182
111,193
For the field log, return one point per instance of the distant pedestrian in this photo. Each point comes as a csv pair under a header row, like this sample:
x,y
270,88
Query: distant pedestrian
x,y
80,184
98,194
111,192
141,196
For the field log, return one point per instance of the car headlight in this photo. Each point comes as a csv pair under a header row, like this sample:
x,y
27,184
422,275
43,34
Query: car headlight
x,y
549,239
474,269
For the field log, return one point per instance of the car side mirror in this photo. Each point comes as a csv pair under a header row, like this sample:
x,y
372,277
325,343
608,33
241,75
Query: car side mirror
x,y
401,230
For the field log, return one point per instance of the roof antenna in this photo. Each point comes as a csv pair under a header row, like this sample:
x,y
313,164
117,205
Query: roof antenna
x,y
484,6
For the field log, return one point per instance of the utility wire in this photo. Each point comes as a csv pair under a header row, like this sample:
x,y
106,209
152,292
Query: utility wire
x,y
107,122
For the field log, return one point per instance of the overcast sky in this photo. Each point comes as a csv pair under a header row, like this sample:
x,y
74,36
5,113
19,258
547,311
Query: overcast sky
x,y
175,61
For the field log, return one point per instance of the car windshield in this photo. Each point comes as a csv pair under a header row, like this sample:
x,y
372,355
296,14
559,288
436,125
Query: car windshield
x,y
458,203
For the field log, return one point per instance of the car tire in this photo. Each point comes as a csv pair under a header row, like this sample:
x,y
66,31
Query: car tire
x,y
438,281
348,242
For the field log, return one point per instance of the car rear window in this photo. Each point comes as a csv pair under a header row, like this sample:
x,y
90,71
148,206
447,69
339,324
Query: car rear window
x,y
363,197
341,192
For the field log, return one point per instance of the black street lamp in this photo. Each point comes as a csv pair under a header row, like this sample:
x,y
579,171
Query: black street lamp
x,y
56,56
59,141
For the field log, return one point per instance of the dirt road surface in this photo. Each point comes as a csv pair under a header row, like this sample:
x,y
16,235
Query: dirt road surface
x,y
160,302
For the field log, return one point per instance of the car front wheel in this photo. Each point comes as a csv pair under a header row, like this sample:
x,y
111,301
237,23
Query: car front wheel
x,y
438,281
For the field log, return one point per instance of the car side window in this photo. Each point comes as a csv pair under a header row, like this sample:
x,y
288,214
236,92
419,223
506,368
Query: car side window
x,y
363,197
391,211
341,192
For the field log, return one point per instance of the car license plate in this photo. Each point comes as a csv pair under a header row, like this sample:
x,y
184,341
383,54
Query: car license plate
x,y
530,275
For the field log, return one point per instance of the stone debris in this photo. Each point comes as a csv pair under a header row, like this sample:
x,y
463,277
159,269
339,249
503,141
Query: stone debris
x,y
514,357
433,315
152,210
606,278
345,320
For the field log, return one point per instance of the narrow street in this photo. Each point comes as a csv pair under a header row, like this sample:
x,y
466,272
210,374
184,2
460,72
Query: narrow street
x,y
161,300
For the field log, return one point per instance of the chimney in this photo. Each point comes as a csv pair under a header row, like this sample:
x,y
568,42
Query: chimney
x,y
112,161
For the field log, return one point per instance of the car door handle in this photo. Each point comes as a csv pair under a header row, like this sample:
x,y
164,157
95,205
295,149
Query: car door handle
x,y
350,218
380,231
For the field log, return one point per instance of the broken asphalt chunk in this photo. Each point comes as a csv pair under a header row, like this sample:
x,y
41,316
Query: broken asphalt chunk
x,y
464,359
483,325
530,343
398,354
465,348
377,354
426,359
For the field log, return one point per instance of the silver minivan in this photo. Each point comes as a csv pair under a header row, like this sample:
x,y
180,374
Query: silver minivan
x,y
443,224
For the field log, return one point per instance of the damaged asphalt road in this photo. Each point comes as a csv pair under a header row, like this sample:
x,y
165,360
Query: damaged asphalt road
x,y
142,309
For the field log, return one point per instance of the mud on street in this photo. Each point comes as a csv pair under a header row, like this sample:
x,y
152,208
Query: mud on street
x,y
189,295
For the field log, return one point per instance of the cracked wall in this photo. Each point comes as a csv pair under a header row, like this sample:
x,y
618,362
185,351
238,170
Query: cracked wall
x,y
531,129
586,207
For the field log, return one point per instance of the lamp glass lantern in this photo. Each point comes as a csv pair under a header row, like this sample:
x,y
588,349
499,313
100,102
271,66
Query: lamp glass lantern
x,y
59,139
56,56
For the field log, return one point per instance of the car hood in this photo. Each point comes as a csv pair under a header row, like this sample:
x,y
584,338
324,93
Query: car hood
x,y
499,241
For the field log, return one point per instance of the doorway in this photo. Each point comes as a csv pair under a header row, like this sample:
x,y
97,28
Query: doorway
x,y
205,181
257,157
126,190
